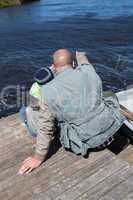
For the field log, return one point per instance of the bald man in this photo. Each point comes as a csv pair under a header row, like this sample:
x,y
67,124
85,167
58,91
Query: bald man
x,y
75,99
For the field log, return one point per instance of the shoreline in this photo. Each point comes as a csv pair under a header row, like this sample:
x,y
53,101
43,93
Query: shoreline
x,y
10,3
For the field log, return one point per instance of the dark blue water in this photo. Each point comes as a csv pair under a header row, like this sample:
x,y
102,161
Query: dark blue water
x,y
29,34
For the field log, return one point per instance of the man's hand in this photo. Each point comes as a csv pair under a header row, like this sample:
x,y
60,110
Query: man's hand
x,y
81,58
79,54
29,164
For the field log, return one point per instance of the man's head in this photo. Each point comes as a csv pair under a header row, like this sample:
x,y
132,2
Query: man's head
x,y
62,58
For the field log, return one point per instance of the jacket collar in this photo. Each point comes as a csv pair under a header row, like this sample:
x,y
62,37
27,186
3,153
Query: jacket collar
x,y
64,69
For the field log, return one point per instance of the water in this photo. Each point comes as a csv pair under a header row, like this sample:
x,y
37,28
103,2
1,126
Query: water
x,y
29,34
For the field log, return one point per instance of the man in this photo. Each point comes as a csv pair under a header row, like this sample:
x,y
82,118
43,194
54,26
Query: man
x,y
75,99
29,114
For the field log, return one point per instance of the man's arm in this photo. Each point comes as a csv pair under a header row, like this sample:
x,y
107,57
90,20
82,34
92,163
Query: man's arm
x,y
46,127
44,137
83,60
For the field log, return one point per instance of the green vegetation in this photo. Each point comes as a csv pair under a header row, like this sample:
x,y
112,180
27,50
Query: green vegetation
x,y
5,3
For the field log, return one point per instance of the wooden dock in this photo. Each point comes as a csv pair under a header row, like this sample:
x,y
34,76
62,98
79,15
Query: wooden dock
x,y
64,176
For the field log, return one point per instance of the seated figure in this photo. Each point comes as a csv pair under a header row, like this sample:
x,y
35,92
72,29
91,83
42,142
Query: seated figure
x,y
29,114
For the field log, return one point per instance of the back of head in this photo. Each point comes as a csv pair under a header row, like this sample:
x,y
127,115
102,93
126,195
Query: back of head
x,y
61,58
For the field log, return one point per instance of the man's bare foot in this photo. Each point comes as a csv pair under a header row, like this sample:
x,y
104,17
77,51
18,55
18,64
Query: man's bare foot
x,y
127,113
130,116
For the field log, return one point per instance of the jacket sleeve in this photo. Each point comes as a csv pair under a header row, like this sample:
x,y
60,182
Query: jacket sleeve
x,y
83,63
45,132
82,59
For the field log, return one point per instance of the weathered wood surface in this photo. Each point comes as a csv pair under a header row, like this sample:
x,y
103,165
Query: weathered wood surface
x,y
127,154
64,176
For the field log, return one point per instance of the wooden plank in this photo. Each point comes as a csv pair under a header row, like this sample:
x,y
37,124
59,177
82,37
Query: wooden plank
x,y
15,146
73,175
53,179
62,177
130,196
127,154
121,191
16,186
92,180
108,184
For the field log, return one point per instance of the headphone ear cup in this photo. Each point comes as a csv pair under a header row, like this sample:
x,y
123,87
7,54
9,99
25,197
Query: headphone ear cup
x,y
43,75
